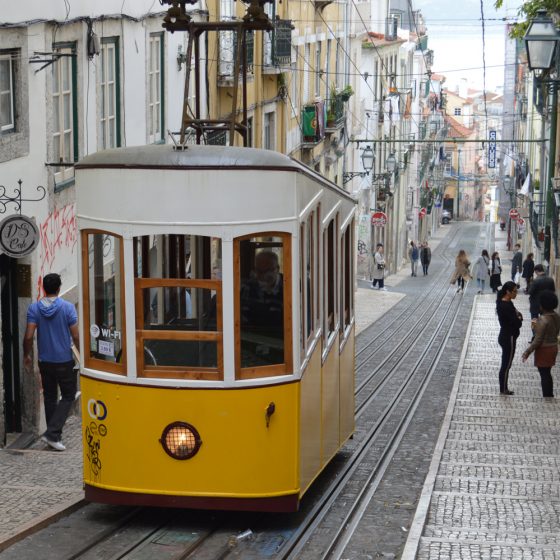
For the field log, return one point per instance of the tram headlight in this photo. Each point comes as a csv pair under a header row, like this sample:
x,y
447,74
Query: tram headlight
x,y
180,440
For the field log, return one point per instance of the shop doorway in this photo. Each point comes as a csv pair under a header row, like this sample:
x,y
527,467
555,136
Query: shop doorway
x,y
10,344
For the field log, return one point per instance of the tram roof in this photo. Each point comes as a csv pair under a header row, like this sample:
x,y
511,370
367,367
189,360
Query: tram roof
x,y
199,157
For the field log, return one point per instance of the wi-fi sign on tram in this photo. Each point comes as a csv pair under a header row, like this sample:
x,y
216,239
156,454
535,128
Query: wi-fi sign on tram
x,y
514,213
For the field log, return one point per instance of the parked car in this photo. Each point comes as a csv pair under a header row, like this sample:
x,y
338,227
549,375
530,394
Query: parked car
x,y
445,216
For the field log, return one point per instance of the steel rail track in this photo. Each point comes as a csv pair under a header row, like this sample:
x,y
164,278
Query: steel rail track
x,y
297,542
405,313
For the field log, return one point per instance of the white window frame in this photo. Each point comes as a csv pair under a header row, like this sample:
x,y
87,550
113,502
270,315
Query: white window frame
x,y
306,72
269,130
10,124
156,123
63,104
226,40
109,95
457,112
294,82
318,69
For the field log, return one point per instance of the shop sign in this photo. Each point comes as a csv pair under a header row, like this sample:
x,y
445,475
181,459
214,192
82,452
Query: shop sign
x,y
19,236
492,149
379,219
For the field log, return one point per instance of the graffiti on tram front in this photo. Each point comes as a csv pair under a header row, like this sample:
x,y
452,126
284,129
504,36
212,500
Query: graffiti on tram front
x,y
93,434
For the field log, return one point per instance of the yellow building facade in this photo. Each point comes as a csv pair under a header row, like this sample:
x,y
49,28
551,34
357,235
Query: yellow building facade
x,y
296,90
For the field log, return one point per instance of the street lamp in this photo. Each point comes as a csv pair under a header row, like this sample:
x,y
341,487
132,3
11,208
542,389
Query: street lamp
x,y
390,167
541,39
385,177
368,158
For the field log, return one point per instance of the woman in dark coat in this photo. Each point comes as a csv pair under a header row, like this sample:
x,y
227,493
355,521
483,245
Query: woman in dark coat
x,y
425,257
510,325
528,271
495,272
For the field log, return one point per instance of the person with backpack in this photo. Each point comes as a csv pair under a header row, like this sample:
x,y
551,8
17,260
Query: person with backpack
x,y
414,256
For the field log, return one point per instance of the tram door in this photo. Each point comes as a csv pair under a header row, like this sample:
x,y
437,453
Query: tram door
x,y
10,344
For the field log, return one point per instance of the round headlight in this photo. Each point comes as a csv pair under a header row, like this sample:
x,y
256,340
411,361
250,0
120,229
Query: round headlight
x,y
180,440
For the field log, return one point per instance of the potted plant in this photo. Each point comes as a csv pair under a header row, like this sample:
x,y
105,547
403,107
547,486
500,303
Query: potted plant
x,y
331,111
346,93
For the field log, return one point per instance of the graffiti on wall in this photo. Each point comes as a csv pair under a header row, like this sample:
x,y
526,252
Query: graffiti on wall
x,y
364,233
58,243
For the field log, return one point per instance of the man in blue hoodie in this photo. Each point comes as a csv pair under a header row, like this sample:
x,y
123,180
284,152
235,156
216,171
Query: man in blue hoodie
x,y
56,322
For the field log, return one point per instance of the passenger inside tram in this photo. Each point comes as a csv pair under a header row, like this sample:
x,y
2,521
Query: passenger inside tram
x,y
262,311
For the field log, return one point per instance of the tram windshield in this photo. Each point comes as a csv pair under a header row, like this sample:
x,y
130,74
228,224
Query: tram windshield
x,y
178,299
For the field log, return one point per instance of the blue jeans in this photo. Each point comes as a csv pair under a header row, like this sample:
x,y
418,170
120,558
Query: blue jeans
x,y
53,376
480,283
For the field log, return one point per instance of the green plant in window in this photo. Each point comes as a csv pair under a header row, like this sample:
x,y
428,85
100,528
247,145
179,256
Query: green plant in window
x,y
346,93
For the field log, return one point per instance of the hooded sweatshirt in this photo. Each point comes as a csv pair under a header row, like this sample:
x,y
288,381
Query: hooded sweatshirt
x,y
53,317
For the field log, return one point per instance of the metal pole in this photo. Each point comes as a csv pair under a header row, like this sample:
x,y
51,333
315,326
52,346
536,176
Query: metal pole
x,y
551,170
458,181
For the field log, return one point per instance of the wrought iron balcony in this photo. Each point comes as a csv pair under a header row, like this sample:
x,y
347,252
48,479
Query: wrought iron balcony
x,y
228,54
335,113
277,46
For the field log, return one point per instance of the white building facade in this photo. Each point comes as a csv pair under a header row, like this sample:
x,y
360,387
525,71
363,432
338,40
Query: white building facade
x,y
74,78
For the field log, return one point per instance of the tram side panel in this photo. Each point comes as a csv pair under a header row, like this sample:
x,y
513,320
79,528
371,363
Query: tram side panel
x,y
311,460
347,387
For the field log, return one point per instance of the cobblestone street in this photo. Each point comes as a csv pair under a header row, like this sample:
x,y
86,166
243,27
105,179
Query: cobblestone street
x,y
493,490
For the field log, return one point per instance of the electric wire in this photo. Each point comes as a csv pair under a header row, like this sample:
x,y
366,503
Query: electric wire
x,y
483,57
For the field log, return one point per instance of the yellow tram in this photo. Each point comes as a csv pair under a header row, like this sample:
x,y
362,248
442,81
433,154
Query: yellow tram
x,y
217,326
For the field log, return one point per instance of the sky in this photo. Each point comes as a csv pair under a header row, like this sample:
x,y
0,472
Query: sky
x,y
455,36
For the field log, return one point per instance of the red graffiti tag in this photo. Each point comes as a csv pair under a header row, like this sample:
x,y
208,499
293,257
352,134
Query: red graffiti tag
x,y
59,231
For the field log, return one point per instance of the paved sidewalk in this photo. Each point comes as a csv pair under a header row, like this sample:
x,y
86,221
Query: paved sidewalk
x,y
493,489
371,304
37,484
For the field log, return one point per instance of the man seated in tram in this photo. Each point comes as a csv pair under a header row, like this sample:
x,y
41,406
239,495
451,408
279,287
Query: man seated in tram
x,y
262,307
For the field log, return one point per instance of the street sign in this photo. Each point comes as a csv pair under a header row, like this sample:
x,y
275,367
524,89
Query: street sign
x,y
514,213
18,236
422,212
520,222
492,149
379,219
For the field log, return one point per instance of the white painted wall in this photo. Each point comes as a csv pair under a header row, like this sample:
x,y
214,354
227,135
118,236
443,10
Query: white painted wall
x,y
55,215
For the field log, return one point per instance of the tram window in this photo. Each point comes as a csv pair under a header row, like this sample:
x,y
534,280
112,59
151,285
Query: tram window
x,y
178,256
178,306
307,281
180,353
103,301
264,333
347,277
329,279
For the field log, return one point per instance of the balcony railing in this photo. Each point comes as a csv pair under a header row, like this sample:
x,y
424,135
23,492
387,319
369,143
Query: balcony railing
x,y
228,53
335,112
537,220
277,44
